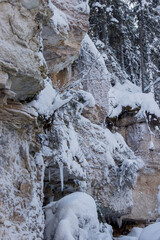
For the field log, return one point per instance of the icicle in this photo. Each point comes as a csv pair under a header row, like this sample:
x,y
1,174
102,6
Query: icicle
x,y
61,176
158,198
151,146
119,222
69,73
49,174
149,129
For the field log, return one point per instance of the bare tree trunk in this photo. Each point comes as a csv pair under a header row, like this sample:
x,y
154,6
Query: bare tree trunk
x,y
149,69
141,36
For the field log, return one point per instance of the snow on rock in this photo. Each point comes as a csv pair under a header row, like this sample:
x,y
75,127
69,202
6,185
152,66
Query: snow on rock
x,y
59,20
136,231
151,146
127,94
83,7
21,184
93,154
44,102
151,232
48,101
69,151
74,217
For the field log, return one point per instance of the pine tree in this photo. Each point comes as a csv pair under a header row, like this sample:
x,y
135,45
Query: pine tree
x,y
130,33
148,21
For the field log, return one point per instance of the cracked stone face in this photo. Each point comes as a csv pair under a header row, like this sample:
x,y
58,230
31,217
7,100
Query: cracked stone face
x,y
20,44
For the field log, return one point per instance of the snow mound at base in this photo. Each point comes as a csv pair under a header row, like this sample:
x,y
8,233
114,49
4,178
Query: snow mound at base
x,y
133,235
75,217
152,232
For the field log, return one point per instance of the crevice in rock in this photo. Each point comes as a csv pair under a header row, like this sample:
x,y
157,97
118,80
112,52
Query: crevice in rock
x,y
127,226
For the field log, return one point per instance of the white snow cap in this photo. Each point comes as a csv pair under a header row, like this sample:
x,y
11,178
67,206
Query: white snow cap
x,y
128,94
48,101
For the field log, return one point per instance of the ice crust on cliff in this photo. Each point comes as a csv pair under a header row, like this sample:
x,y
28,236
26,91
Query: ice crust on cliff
x,y
75,217
128,94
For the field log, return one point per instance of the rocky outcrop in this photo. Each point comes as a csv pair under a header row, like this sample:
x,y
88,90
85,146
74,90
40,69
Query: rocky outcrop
x,y
56,137
22,169
23,71
21,47
143,135
63,35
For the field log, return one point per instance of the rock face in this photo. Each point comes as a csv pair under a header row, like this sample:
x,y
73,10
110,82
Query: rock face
x,y
57,137
68,25
21,187
90,159
22,73
21,48
143,136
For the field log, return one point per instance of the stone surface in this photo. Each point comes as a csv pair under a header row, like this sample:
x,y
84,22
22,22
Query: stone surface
x,y
68,25
21,181
78,152
20,45
22,72
139,134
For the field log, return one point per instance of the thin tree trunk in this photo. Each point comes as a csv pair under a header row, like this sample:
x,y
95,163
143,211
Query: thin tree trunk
x,y
141,36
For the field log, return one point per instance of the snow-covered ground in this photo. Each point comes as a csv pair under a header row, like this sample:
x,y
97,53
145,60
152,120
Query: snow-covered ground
x,y
152,232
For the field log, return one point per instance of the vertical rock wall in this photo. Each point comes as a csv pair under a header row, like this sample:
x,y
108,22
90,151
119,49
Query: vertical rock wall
x,y
21,182
23,72
143,136
70,141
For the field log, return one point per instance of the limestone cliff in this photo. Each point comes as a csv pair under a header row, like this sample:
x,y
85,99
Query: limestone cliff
x,y
54,100
136,117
